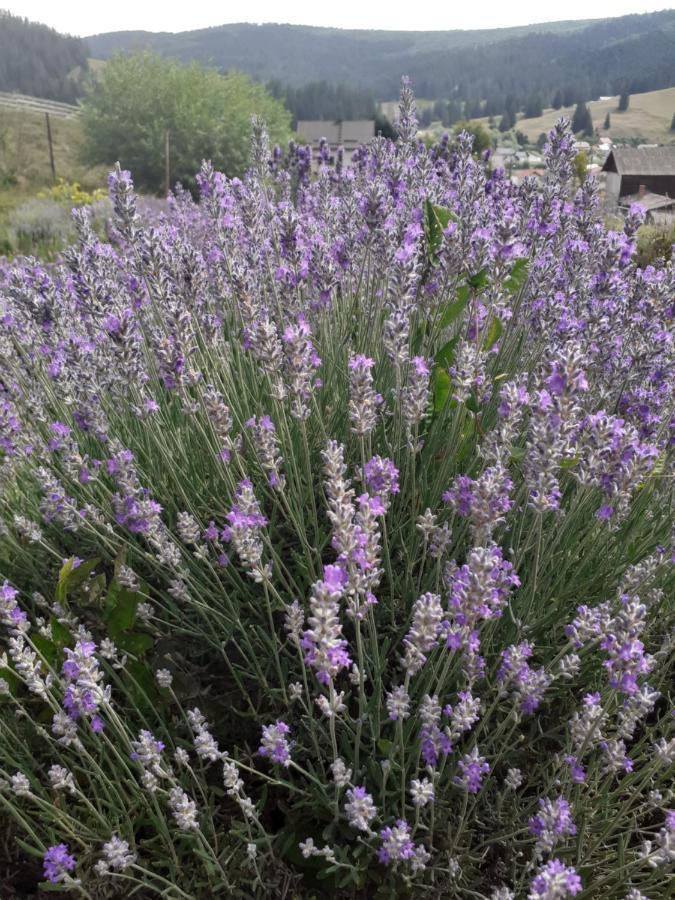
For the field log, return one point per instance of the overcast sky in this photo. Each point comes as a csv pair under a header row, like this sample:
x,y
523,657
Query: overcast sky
x,y
84,17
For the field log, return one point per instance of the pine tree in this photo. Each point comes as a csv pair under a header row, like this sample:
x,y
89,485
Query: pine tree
x,y
672,123
624,101
508,120
454,112
580,118
608,123
588,129
557,101
533,107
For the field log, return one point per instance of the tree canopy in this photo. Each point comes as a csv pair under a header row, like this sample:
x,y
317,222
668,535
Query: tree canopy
x,y
37,60
566,61
581,120
482,139
138,98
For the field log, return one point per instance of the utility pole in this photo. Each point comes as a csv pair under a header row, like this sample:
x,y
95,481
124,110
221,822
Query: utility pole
x,y
167,164
51,147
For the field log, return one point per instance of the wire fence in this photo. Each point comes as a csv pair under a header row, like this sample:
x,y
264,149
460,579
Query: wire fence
x,y
38,105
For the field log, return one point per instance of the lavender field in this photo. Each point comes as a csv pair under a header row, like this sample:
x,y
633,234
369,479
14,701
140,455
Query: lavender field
x,y
336,539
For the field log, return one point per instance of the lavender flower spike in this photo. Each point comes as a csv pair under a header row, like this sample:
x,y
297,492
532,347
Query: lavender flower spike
x,y
274,744
58,863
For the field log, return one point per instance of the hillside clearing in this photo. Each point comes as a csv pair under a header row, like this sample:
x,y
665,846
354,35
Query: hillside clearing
x,y
648,116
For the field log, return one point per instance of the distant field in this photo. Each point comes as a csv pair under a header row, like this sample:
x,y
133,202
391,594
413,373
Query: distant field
x,y
24,151
24,157
648,116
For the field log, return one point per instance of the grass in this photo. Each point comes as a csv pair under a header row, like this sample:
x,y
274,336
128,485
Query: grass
x,y
648,116
24,159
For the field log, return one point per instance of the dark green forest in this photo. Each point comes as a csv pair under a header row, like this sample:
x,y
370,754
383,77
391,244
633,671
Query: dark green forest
x,y
37,60
323,100
338,74
489,71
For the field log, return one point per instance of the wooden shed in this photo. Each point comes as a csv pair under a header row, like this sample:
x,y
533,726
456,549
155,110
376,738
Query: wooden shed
x,y
630,171
348,134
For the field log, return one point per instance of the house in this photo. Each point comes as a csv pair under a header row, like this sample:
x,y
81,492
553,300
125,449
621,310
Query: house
x,y
349,134
659,210
629,169
519,175
503,158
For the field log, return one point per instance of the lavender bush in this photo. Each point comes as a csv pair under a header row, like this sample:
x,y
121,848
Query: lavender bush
x,y
337,538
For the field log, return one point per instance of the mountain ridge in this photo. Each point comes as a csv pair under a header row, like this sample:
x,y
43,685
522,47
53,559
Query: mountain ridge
x,y
634,49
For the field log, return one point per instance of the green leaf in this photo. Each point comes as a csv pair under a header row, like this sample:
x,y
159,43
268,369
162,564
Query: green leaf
x,y
60,634
472,403
384,746
518,453
142,689
136,642
11,678
123,614
494,333
441,389
444,216
79,575
479,280
456,308
28,848
96,588
48,650
71,578
518,275
62,584
570,463
436,219
446,354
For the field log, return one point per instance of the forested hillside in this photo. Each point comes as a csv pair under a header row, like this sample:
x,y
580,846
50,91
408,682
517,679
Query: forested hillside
x,y
489,70
37,60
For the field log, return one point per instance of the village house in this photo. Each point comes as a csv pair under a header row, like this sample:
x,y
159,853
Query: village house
x,y
348,134
633,172
659,210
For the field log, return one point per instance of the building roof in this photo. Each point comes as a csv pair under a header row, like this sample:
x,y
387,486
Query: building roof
x,y
649,201
347,131
648,161
518,175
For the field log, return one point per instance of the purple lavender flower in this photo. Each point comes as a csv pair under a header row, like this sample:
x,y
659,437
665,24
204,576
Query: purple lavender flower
x,y
323,643
266,444
473,767
396,843
415,392
246,522
478,592
528,684
484,502
300,363
554,881
423,633
58,862
360,809
275,745
381,477
363,400
577,771
552,823
85,693
434,742
11,616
